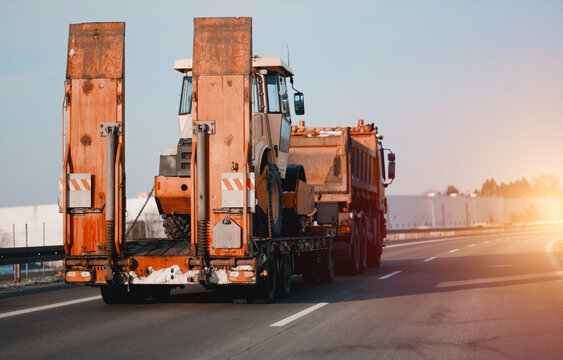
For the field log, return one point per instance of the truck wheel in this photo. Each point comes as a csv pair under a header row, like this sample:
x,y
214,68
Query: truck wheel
x,y
293,224
284,278
310,268
273,181
328,262
375,248
363,249
266,289
159,292
113,294
354,261
176,226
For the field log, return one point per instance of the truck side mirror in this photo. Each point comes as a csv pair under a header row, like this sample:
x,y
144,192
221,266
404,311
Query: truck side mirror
x,y
391,156
299,103
391,168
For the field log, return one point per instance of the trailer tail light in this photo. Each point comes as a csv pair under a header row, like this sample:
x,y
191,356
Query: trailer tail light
x,y
80,276
342,230
242,276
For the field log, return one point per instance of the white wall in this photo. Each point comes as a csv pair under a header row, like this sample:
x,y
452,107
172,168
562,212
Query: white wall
x,y
13,221
404,212
444,211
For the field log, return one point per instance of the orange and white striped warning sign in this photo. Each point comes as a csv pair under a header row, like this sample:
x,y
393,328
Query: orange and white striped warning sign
x,y
76,184
79,190
233,189
234,184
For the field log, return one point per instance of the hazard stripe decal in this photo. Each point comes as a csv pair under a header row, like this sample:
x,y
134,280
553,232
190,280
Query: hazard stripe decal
x,y
85,184
228,184
238,184
250,184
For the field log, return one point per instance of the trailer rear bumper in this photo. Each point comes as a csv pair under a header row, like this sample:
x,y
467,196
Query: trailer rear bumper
x,y
175,275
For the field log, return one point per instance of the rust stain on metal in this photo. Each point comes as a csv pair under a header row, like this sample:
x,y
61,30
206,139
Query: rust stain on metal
x,y
95,51
221,46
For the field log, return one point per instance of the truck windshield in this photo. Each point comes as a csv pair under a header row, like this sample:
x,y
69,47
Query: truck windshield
x,y
186,97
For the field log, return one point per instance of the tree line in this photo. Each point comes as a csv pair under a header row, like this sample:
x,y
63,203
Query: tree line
x,y
541,186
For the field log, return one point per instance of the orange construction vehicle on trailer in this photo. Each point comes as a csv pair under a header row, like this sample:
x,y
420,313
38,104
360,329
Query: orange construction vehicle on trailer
x,y
347,169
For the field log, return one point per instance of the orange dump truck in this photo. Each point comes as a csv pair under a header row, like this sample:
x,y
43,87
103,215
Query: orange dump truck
x,y
347,169
236,210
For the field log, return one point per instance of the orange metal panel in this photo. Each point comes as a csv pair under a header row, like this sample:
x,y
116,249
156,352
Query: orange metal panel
x,y
95,51
172,194
222,46
93,95
221,68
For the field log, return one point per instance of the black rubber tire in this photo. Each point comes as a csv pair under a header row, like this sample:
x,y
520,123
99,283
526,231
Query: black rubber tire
x,y
176,226
353,263
158,292
293,224
375,248
284,276
310,272
266,287
326,275
113,294
293,172
273,181
363,249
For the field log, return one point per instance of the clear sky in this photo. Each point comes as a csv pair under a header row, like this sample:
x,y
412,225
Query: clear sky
x,y
461,90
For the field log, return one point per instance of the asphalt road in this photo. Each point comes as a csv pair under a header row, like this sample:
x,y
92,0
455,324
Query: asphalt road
x,y
479,297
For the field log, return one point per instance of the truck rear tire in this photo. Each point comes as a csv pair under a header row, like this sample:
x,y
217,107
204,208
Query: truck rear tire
x,y
310,268
363,249
326,274
353,263
284,276
113,294
266,288
375,248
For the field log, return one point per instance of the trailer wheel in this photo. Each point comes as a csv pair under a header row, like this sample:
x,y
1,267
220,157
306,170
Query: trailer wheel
x,y
275,209
113,294
284,278
266,289
328,262
310,271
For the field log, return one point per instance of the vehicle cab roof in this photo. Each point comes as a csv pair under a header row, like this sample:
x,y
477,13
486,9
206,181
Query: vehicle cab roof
x,y
258,62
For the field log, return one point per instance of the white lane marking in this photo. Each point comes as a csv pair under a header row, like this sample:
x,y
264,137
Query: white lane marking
x,y
493,280
302,313
426,242
557,265
472,245
46,307
454,250
429,259
389,275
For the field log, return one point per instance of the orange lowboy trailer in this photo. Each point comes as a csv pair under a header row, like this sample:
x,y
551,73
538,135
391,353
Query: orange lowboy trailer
x,y
236,210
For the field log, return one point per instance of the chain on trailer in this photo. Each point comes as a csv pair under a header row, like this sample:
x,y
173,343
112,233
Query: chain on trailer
x,y
139,214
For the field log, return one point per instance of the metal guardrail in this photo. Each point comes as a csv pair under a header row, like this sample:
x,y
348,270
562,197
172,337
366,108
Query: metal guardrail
x,y
24,255
424,233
